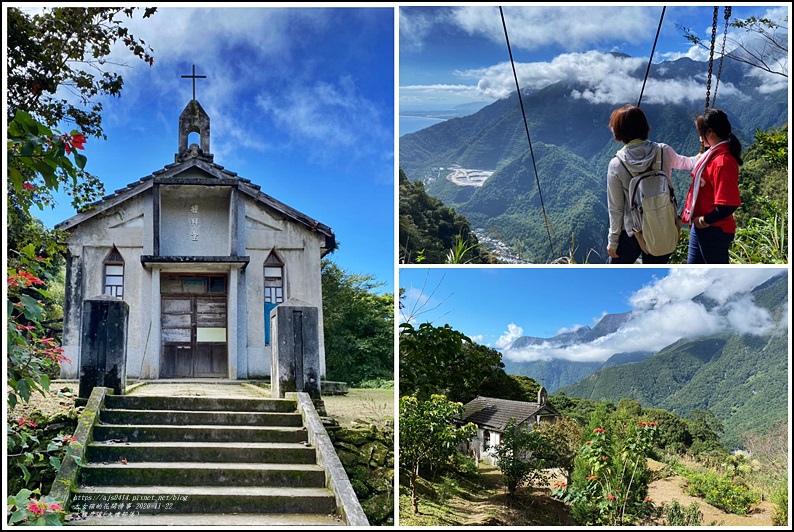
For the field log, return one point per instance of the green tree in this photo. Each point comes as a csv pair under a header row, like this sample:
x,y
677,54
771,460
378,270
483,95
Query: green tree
x,y
564,437
520,455
432,233
358,326
442,360
49,54
428,435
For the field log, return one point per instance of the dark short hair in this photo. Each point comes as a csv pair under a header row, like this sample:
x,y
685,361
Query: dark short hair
x,y
628,123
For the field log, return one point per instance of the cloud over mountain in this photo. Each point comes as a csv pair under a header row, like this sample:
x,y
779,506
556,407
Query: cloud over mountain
x,y
668,310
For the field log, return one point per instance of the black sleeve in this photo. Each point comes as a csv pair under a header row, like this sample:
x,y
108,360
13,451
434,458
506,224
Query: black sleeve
x,y
720,212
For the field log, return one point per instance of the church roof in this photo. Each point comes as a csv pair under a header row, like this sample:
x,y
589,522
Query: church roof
x,y
492,413
214,174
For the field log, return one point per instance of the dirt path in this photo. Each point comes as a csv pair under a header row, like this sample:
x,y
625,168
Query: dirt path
x,y
667,489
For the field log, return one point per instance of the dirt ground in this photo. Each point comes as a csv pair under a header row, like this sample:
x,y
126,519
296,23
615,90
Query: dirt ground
x,y
672,488
487,504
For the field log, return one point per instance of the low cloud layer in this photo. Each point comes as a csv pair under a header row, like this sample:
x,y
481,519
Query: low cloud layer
x,y
577,32
666,313
603,78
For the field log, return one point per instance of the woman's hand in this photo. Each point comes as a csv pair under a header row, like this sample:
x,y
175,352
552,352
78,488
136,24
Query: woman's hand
x,y
612,252
700,223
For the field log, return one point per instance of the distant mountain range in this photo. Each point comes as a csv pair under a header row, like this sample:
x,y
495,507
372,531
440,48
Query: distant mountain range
x,y
741,378
572,146
557,373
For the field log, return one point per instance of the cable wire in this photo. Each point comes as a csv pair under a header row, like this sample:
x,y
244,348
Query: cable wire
x,y
650,59
526,128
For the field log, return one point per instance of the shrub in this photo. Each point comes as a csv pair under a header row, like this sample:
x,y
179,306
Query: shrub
x,y
722,491
676,515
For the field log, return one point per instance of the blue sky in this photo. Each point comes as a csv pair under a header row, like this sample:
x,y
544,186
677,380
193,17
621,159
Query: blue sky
x,y
494,306
451,56
301,102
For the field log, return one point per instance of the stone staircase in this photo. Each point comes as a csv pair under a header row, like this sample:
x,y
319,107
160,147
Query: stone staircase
x,y
201,460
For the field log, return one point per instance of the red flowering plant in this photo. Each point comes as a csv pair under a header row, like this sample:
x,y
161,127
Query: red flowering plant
x,y
29,508
39,159
611,483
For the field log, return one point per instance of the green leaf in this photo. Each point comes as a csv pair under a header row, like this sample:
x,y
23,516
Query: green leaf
x,y
55,462
80,160
16,178
24,494
23,390
25,473
52,520
31,308
45,382
17,516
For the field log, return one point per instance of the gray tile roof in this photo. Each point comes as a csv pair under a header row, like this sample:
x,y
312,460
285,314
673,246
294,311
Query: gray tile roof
x,y
493,413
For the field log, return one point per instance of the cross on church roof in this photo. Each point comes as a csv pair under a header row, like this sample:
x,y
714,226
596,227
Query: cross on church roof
x,y
194,77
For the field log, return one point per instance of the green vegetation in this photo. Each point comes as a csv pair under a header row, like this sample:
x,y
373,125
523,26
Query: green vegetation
x,y
611,476
431,233
572,148
428,437
48,52
676,515
358,327
723,491
741,378
520,455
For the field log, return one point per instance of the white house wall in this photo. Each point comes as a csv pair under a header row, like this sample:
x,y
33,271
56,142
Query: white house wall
x,y
300,250
123,226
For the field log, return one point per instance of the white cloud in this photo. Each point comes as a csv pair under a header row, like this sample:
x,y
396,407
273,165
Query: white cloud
x,y
477,338
667,313
570,329
537,27
513,331
606,78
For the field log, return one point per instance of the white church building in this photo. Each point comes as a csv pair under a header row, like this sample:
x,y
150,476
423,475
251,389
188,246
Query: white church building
x,y
201,256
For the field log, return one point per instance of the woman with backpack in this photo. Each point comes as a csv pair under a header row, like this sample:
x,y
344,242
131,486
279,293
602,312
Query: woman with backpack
x,y
714,193
629,125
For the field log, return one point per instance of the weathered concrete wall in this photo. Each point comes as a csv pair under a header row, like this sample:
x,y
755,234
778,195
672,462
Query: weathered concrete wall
x,y
367,454
194,220
124,226
300,250
103,357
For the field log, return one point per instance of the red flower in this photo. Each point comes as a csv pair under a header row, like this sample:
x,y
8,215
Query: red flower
x,y
72,142
592,477
28,186
69,439
647,499
21,327
599,431
604,458
610,497
25,422
590,443
37,507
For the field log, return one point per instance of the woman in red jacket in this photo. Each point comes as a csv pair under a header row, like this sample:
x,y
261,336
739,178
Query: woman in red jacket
x,y
714,193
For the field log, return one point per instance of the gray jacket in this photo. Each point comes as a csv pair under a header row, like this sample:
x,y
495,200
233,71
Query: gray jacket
x,y
637,157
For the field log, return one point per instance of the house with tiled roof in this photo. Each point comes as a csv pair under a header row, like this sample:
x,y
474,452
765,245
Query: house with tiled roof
x,y
491,416
201,256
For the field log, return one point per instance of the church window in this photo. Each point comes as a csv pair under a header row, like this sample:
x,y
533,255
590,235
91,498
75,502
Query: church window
x,y
114,274
274,288
274,279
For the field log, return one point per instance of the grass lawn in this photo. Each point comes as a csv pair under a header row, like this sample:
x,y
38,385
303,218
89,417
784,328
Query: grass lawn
x,y
366,405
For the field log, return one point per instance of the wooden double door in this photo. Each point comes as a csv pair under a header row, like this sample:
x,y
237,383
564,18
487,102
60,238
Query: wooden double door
x,y
193,326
